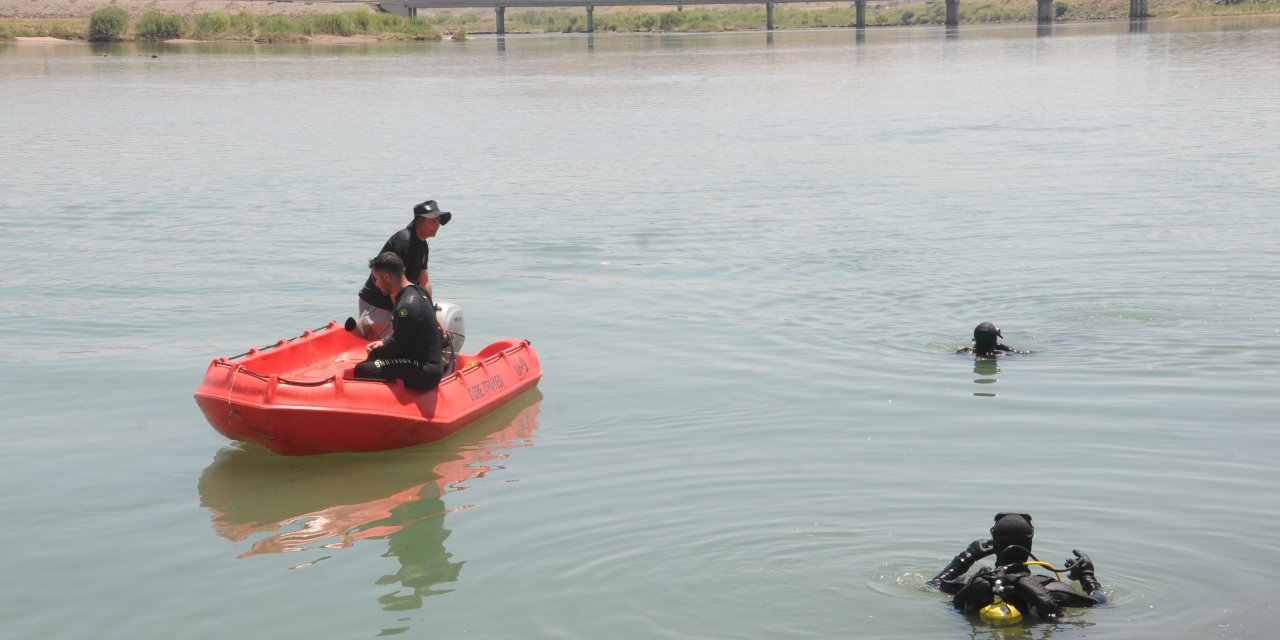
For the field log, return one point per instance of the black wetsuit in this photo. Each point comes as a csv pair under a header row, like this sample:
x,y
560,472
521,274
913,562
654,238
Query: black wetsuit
x,y
412,251
412,351
1040,596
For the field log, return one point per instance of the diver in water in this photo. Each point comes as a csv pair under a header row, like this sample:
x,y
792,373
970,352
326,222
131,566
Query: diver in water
x,y
985,343
1009,585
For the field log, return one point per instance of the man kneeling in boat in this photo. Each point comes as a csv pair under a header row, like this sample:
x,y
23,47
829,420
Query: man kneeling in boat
x,y
412,351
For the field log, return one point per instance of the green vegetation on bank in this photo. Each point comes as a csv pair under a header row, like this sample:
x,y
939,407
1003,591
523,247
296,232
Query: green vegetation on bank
x,y
155,25
108,23
62,28
1216,9
113,23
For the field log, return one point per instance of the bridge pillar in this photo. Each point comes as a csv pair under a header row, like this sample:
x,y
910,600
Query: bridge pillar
x,y
1044,11
591,19
501,13
861,6
1137,8
768,16
953,13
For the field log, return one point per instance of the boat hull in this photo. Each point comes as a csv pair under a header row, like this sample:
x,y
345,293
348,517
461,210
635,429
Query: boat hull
x,y
298,397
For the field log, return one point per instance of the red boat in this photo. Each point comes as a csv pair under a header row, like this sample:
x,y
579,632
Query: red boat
x,y
298,397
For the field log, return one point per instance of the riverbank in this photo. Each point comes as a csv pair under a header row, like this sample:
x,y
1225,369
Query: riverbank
x,y
337,22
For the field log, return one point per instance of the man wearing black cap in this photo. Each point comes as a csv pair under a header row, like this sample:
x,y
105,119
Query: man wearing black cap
x,y
410,243
1042,596
985,343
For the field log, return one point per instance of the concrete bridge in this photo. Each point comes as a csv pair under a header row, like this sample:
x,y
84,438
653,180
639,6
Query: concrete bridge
x,y
409,8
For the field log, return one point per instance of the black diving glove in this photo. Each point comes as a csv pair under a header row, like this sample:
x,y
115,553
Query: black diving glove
x,y
1081,568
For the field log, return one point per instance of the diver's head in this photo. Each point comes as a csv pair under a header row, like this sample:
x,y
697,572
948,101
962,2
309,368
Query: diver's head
x,y
984,337
1011,536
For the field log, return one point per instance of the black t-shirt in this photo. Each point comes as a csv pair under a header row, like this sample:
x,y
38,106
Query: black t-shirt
x,y
415,334
412,251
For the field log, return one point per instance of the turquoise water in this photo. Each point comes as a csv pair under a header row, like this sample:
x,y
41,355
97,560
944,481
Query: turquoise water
x,y
746,263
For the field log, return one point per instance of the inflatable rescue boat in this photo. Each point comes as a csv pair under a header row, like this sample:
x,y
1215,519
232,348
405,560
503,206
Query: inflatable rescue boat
x,y
299,396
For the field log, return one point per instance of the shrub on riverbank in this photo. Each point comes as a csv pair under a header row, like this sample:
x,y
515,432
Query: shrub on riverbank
x,y
108,24
155,25
351,23
330,24
215,25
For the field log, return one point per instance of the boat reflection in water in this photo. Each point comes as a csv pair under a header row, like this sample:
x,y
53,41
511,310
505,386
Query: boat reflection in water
x,y
336,500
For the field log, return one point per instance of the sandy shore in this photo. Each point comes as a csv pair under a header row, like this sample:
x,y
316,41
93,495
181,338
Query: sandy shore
x,y
82,8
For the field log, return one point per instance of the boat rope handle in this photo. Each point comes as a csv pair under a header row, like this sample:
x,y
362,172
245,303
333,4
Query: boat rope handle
x,y
264,377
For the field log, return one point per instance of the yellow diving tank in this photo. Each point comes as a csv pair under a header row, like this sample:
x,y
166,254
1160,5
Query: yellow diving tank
x,y
1000,613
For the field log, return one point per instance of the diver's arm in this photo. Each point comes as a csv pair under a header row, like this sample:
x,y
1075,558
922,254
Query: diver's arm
x,y
1092,587
976,550
1082,570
